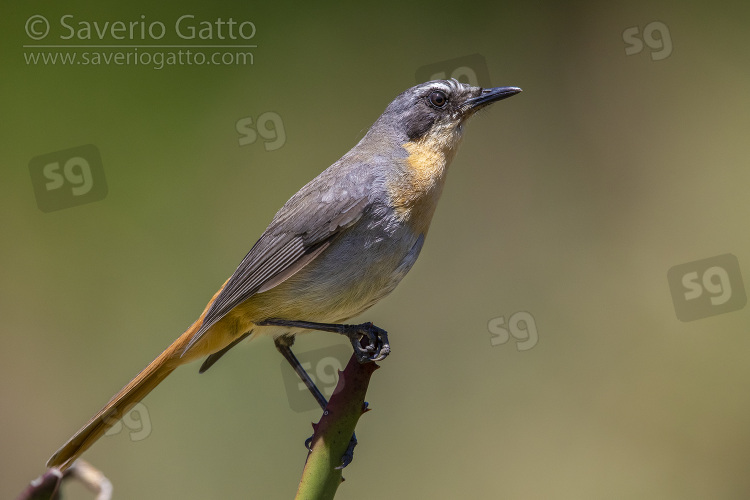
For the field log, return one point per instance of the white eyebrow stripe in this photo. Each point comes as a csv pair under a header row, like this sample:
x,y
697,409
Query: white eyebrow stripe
x,y
442,86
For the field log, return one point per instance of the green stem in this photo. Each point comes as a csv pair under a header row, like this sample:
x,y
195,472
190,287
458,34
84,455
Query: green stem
x,y
320,478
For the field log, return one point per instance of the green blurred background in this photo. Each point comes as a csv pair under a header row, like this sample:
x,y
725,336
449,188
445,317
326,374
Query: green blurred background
x,y
570,201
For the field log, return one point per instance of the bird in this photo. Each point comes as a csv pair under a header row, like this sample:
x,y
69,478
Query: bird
x,y
334,249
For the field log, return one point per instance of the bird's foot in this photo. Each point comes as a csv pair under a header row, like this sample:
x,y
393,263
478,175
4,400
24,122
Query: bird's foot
x,y
369,342
348,455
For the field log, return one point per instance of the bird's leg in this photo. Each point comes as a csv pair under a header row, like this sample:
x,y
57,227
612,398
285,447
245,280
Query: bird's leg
x,y
284,346
376,347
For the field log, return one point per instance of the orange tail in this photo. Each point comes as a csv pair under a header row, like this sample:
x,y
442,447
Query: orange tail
x,y
118,406
172,357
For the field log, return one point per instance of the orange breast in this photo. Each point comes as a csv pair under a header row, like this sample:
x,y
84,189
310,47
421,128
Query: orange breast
x,y
415,191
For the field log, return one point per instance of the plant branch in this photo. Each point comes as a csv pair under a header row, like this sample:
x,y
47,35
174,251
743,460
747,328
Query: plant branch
x,y
321,478
47,486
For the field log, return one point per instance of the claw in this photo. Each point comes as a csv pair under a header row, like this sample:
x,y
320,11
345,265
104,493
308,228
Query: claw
x,y
348,455
384,352
377,348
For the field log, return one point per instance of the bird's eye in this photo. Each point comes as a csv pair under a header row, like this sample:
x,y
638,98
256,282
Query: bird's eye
x,y
438,98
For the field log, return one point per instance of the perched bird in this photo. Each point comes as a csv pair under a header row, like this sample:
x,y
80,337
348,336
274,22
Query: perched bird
x,y
338,246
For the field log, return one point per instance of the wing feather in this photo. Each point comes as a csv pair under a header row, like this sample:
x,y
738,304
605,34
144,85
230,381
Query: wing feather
x,y
295,237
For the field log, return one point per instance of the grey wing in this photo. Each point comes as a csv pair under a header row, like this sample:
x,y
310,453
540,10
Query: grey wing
x,y
300,231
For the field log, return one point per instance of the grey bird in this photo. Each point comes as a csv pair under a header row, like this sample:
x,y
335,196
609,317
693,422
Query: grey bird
x,y
338,246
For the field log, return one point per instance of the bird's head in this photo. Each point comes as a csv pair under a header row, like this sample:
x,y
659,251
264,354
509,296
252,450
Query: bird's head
x,y
433,113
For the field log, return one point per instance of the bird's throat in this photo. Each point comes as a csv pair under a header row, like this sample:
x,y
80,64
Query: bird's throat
x,y
416,189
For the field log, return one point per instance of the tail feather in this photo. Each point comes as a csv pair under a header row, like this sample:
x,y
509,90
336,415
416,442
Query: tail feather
x,y
176,354
118,406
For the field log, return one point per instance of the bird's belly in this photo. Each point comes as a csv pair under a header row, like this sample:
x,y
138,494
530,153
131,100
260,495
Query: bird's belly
x,y
357,270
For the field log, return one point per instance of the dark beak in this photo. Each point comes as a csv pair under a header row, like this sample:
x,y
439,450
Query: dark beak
x,y
489,96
